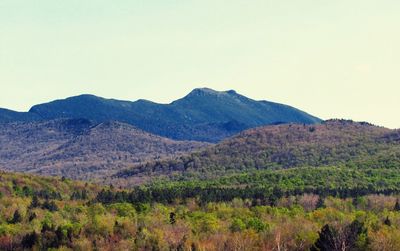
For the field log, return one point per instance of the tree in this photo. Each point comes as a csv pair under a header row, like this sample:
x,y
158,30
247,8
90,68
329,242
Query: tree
x,y
64,235
32,216
326,240
256,224
17,217
397,205
320,202
355,234
387,221
29,240
35,202
50,205
341,239
172,218
237,225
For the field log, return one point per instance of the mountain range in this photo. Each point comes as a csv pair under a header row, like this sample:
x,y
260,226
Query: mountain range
x,y
202,115
206,134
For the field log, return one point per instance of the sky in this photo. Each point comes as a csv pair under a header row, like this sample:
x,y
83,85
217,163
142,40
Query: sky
x,y
332,59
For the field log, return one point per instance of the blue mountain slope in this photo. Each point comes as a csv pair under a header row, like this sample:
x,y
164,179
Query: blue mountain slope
x,y
13,116
203,115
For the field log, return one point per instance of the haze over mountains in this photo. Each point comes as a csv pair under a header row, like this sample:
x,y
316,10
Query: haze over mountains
x,y
202,115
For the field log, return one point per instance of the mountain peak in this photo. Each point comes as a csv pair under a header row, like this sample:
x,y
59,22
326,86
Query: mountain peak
x,y
232,92
209,91
203,91
82,97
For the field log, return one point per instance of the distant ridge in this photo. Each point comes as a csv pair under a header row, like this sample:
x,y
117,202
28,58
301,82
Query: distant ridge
x,y
7,116
202,115
81,149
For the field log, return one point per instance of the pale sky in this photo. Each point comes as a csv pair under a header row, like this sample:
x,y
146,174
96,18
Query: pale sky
x,y
330,58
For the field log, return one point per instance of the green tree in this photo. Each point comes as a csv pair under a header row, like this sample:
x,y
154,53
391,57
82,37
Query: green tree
x,y
237,225
256,224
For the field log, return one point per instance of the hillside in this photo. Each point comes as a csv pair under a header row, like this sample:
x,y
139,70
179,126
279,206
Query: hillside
x,y
334,142
202,115
81,149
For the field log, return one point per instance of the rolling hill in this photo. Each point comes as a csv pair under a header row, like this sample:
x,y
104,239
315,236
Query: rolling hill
x,y
332,143
203,115
81,149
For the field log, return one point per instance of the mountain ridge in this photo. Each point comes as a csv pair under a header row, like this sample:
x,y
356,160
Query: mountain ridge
x,y
331,143
81,149
202,115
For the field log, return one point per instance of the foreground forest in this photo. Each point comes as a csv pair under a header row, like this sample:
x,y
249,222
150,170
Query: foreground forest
x,y
354,211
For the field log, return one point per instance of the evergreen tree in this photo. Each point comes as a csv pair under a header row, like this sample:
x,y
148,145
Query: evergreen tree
x,y
84,195
326,239
397,205
32,216
387,221
320,202
172,218
356,201
352,234
29,240
50,205
17,217
331,239
35,202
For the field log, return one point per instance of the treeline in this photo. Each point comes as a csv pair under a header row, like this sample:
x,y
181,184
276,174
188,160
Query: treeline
x,y
30,192
259,196
265,187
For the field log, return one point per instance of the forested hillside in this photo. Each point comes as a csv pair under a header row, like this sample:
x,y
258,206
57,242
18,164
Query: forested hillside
x,y
334,142
81,149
